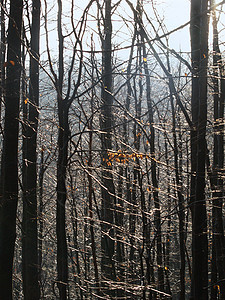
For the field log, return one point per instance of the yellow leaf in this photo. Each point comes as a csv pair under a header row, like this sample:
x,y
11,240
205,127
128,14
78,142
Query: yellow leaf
x,y
26,101
145,59
217,287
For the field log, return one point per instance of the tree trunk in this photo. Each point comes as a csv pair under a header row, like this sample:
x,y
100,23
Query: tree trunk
x,y
157,214
218,160
29,225
63,137
181,214
108,190
199,51
2,55
9,167
62,253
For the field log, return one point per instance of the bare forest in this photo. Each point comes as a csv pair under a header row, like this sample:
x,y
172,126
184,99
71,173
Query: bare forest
x,y
111,151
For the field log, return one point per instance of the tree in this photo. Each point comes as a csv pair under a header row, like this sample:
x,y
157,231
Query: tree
x,y
29,224
111,141
218,242
64,101
9,164
106,123
199,52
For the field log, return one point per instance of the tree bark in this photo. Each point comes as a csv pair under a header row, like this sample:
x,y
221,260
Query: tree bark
x,y
199,52
29,225
157,214
181,214
218,161
9,166
2,55
108,190
63,137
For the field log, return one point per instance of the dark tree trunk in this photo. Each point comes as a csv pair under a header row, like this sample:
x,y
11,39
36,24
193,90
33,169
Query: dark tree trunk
x,y
214,288
41,219
218,161
90,190
199,51
64,103
168,235
9,167
157,214
108,190
2,55
63,137
181,214
29,225
62,253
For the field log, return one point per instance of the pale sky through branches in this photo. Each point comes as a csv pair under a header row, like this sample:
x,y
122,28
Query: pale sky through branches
x,y
172,14
177,12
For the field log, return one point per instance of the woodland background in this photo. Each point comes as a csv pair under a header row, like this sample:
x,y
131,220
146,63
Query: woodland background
x,y
112,152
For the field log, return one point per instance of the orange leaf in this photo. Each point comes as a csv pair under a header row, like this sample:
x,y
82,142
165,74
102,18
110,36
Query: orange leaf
x,y
12,62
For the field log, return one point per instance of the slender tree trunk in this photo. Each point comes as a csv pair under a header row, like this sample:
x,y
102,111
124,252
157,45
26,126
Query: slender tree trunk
x,y
9,167
41,220
90,192
181,214
214,287
218,160
150,271
63,137
119,223
157,214
108,190
2,55
29,225
168,236
199,50
62,254
64,103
